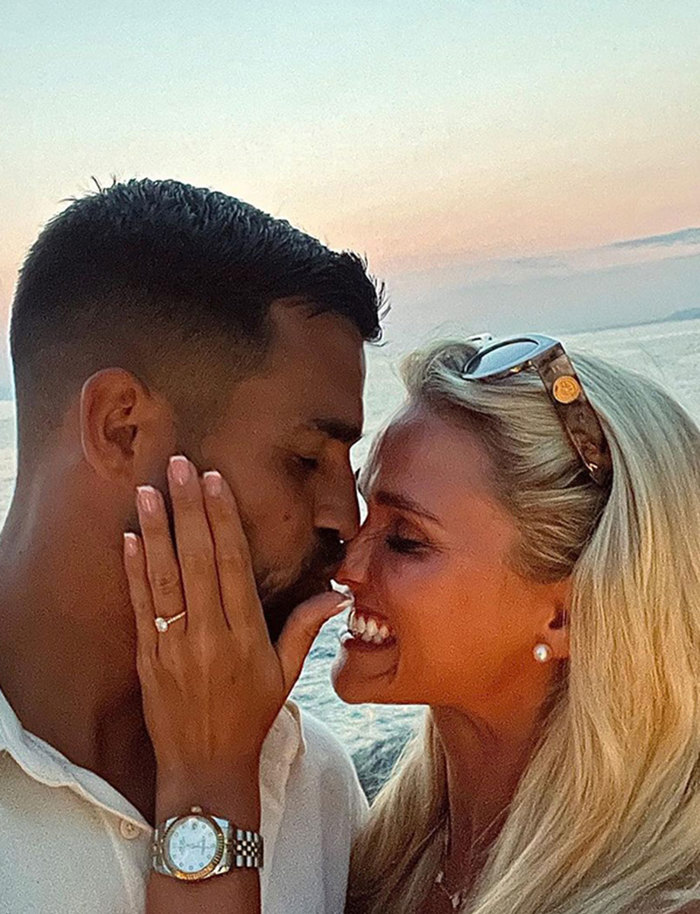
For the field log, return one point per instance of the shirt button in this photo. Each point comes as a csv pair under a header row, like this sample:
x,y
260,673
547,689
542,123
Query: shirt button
x,y
129,830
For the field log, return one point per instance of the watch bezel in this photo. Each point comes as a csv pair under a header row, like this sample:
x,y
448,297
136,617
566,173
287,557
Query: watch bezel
x,y
213,863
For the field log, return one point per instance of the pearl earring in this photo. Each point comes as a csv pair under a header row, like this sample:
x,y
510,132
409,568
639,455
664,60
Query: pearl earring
x,y
542,653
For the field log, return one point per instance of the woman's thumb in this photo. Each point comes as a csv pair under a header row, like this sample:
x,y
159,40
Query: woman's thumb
x,y
300,631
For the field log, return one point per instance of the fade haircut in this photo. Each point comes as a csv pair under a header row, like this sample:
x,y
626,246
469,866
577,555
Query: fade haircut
x,y
173,283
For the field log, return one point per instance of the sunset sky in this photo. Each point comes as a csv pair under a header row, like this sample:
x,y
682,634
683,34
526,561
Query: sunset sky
x,y
484,154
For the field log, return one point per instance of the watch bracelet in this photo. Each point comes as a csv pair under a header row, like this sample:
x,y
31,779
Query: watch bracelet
x,y
247,851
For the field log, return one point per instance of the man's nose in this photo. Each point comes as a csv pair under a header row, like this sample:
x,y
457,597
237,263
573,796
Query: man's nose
x,y
337,507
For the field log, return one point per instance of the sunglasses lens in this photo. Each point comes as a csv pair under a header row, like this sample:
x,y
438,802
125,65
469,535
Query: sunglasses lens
x,y
501,358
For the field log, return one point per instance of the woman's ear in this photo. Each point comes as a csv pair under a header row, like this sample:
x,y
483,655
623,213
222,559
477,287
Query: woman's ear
x,y
557,634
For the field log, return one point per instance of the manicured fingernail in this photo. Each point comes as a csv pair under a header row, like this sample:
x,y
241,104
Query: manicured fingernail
x,y
336,610
131,544
147,499
212,483
180,469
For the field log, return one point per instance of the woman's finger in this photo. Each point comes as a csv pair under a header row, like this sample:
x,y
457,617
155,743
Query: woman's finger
x,y
301,629
236,579
161,563
195,549
141,599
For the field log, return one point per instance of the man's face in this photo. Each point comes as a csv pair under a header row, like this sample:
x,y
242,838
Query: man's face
x,y
284,447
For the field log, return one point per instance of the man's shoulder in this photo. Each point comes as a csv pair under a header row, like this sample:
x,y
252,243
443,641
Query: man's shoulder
x,y
326,762
322,746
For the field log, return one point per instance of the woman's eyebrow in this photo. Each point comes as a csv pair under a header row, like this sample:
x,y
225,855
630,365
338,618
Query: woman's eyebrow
x,y
403,503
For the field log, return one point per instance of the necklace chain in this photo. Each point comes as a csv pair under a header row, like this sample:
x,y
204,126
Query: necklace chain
x,y
457,898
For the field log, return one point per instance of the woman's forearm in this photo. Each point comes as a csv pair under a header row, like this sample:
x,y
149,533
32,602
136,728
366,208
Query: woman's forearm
x,y
212,684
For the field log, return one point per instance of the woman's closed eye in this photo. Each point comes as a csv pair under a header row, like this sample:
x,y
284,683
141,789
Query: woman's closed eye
x,y
405,545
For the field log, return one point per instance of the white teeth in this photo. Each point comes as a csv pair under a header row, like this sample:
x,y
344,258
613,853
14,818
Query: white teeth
x,y
369,630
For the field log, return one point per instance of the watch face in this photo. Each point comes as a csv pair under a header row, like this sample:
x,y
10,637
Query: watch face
x,y
193,847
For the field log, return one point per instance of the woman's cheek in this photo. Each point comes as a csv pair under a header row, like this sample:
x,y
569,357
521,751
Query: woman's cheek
x,y
418,604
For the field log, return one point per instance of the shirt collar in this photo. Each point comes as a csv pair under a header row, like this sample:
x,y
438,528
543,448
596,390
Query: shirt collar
x,y
283,744
47,765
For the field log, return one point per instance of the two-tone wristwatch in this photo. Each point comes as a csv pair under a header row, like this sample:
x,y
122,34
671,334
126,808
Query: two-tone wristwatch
x,y
197,846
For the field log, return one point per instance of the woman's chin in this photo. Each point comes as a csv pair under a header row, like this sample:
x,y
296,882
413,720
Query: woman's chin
x,y
364,672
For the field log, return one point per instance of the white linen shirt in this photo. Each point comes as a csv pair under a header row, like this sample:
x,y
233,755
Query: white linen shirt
x,y
71,843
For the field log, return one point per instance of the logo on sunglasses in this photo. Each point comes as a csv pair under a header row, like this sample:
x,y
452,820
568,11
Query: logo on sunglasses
x,y
566,389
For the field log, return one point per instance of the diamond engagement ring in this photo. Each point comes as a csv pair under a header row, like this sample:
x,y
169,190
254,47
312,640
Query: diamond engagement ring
x,y
163,624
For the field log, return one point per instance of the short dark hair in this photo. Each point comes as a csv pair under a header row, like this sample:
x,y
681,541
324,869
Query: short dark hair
x,y
156,276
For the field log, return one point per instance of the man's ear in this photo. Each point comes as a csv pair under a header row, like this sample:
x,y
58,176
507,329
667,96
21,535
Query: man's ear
x,y
557,633
119,418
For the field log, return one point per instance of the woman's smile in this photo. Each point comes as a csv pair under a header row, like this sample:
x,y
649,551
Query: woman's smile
x,y
368,647
369,628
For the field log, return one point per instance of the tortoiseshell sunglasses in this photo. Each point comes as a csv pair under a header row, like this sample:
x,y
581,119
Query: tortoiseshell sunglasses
x,y
498,359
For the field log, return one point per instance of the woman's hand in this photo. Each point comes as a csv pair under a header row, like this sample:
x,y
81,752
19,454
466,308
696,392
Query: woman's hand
x,y
213,682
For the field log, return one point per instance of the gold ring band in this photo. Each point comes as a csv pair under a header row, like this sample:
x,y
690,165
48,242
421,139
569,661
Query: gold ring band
x,y
163,624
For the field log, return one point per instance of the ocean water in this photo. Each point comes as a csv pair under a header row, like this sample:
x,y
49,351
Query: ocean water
x,y
668,352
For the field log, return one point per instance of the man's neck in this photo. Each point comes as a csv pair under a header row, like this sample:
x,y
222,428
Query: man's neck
x,y
67,662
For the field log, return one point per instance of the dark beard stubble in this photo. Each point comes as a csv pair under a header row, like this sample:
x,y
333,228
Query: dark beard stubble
x,y
279,601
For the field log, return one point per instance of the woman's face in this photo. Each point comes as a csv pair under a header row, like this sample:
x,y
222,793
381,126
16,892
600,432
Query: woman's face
x,y
446,622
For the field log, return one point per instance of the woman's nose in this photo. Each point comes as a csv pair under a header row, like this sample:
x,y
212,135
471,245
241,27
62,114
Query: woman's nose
x,y
353,569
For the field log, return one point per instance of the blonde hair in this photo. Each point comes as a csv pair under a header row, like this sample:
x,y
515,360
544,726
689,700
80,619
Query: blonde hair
x,y
606,818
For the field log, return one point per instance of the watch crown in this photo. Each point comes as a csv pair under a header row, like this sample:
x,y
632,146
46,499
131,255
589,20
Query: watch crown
x,y
196,809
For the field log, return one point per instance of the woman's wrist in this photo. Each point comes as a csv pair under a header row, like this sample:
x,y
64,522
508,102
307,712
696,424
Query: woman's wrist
x,y
232,792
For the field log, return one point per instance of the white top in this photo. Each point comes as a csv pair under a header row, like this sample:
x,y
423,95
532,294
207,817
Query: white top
x,y
71,843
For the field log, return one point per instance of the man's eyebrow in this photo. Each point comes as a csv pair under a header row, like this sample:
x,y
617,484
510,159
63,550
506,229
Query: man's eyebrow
x,y
403,503
337,429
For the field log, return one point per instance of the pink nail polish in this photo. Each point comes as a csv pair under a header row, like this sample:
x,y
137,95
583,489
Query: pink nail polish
x,y
180,469
131,545
212,482
147,499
